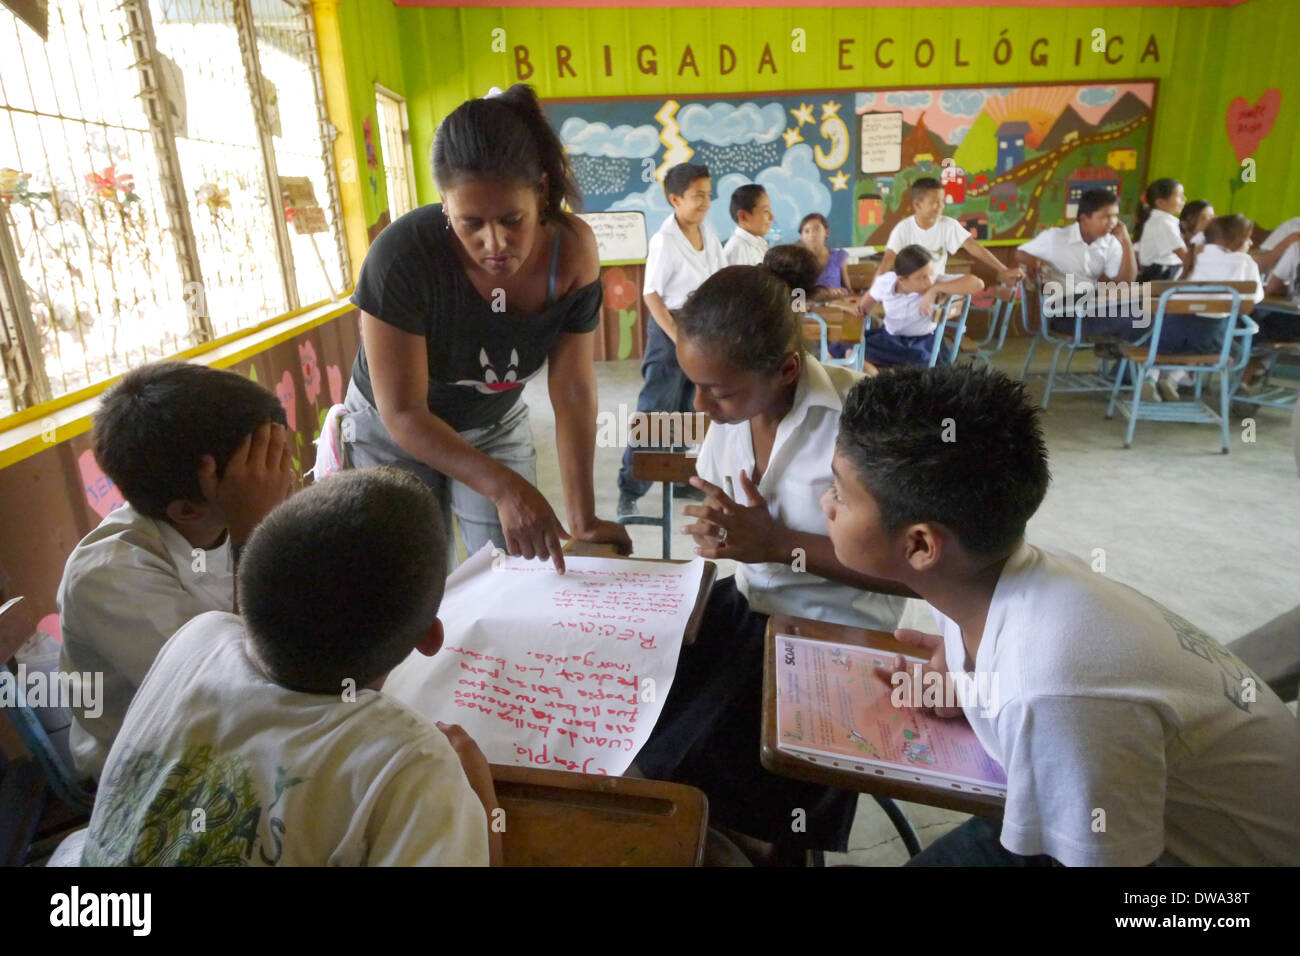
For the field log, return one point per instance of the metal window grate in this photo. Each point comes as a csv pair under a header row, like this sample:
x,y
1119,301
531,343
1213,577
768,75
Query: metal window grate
x,y
140,180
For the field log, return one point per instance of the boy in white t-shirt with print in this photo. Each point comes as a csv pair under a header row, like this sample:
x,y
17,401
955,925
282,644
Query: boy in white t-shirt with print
x,y
1106,705
939,235
682,254
275,724
751,210
201,455
911,295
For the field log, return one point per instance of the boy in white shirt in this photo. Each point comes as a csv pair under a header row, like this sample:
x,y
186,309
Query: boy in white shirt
x,y
911,293
1158,237
682,254
1128,737
939,235
763,465
751,209
275,725
1096,248
201,455
1276,244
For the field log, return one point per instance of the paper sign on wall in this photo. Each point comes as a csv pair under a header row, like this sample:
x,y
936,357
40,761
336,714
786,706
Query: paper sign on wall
x,y
620,236
882,142
567,672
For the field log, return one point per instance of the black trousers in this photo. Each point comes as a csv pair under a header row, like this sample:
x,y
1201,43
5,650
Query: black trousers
x,y
709,733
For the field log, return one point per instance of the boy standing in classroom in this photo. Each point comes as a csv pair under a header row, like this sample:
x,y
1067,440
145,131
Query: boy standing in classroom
x,y
751,209
682,254
201,456
939,235
1128,736
274,725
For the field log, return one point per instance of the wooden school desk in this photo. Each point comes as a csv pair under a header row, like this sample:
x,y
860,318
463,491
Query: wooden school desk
x,y
554,818
792,765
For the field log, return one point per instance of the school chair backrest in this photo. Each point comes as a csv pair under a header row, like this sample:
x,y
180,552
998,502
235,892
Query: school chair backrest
x,y
862,274
1202,298
667,462
41,729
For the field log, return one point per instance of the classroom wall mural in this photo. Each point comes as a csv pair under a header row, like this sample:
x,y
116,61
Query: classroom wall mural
x,y
797,147
1013,160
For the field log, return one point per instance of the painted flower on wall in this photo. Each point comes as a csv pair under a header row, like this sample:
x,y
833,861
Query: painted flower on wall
x,y
620,292
288,396
107,183
310,370
336,384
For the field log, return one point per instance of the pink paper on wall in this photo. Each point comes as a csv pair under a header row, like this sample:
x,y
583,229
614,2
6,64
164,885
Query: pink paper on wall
x,y
288,396
1248,125
101,494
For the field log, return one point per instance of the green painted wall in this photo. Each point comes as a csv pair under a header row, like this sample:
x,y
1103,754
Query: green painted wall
x,y
1203,57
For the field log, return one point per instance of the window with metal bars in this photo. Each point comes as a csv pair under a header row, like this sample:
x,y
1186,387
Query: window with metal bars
x,y
165,179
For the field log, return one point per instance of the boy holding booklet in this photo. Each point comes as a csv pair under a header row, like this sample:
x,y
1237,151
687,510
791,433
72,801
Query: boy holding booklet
x,y
1127,735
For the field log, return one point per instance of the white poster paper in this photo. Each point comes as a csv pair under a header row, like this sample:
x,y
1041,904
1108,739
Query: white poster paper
x,y
620,236
882,142
567,672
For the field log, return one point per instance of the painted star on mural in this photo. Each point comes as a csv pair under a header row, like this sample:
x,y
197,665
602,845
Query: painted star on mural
x,y
828,110
840,181
804,114
791,137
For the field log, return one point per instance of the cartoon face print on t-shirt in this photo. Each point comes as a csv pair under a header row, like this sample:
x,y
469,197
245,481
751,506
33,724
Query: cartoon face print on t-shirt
x,y
495,378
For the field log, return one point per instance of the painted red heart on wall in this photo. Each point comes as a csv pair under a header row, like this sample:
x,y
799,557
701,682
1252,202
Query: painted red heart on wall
x,y
1248,125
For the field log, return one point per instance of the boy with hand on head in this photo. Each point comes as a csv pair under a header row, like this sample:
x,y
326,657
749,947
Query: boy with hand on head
x,y
751,208
1108,708
682,254
201,455
939,235
275,725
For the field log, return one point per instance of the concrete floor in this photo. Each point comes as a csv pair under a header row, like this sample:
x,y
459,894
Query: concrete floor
x,y
1211,536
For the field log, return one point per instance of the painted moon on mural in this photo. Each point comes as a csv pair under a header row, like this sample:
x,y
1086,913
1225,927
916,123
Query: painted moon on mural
x,y
833,129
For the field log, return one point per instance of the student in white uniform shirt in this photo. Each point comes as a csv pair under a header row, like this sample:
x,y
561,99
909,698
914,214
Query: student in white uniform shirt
x,y
939,235
1099,699
1096,248
1158,236
1223,257
1193,221
764,465
275,723
682,254
201,456
1276,244
751,209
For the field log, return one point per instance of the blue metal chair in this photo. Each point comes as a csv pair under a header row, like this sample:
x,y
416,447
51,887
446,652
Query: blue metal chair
x,y
853,359
1005,300
955,312
1062,379
1191,299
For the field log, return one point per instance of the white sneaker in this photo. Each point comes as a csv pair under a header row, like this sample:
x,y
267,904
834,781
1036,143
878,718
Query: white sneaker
x,y
1149,393
1168,390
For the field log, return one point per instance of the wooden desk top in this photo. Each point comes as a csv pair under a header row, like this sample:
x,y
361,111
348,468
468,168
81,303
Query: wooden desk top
x,y
584,549
554,818
792,765
1280,303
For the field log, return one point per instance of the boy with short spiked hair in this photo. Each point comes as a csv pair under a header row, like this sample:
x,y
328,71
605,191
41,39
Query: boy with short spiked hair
x,y
201,455
751,210
1128,736
275,725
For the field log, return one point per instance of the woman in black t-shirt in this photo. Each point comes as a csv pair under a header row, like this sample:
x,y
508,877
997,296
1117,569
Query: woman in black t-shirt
x,y
461,303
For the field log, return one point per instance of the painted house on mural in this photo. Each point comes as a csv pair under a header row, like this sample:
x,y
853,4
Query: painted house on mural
x,y
953,178
1122,158
870,209
1084,180
1011,144
978,221
1003,196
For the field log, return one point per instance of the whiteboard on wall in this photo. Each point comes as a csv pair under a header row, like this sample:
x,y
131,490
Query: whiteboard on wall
x,y
619,235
